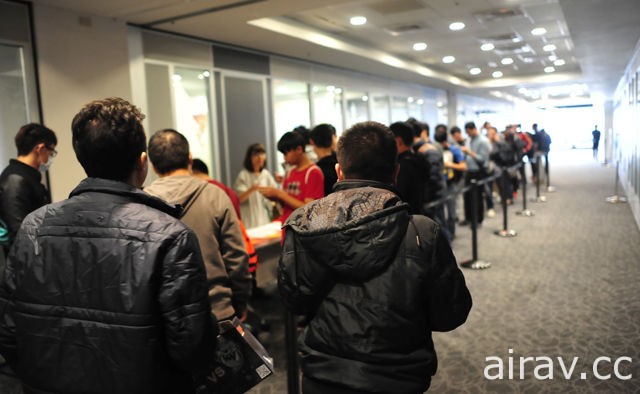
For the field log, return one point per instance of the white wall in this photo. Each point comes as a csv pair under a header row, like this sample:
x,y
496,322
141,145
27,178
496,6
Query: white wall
x,y
80,58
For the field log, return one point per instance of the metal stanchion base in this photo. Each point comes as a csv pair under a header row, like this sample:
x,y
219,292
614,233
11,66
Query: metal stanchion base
x,y
616,199
526,213
539,199
506,233
476,264
551,189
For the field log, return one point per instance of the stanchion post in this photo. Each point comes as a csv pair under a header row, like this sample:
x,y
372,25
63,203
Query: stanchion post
x,y
474,263
550,189
505,232
523,182
538,198
290,337
615,199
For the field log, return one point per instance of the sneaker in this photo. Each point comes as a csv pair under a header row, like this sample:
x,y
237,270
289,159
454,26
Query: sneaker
x,y
491,213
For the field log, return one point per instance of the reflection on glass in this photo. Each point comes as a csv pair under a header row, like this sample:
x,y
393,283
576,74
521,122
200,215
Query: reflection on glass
x,y
191,109
399,110
13,100
357,107
327,105
380,107
291,106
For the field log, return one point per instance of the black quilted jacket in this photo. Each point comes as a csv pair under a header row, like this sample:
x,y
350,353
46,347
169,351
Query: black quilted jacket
x,y
105,292
377,282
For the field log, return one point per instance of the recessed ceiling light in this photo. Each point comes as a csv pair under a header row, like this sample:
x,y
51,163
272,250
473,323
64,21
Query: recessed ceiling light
x,y
553,58
549,48
358,20
419,46
497,74
176,77
206,73
487,47
448,59
549,69
538,31
559,62
365,98
475,71
506,61
456,26
527,60
420,101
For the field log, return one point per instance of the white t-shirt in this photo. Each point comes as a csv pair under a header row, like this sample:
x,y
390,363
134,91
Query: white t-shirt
x,y
256,209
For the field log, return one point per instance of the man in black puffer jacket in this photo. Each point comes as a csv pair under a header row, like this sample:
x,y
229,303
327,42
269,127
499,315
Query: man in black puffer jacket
x,y
373,280
105,292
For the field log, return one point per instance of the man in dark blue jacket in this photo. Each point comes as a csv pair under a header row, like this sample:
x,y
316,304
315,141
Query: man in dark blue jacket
x,y
374,280
105,292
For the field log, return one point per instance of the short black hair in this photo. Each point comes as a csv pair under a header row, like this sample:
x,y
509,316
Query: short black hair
x,y
304,131
32,134
252,150
440,126
108,138
168,151
367,150
291,140
455,129
199,166
418,126
404,131
441,134
322,135
470,125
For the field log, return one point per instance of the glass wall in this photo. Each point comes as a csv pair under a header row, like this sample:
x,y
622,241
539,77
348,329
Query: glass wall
x,y
357,107
399,110
380,109
290,106
327,106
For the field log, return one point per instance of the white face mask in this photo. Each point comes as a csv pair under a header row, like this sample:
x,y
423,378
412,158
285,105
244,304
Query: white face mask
x,y
44,167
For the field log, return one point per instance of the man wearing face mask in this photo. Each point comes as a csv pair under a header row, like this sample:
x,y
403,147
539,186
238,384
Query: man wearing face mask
x,y
21,189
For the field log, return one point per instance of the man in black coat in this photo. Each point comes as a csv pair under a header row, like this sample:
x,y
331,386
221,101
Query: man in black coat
x,y
105,292
373,280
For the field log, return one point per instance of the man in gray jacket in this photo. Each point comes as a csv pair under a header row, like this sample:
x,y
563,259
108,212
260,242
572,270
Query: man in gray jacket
x,y
210,214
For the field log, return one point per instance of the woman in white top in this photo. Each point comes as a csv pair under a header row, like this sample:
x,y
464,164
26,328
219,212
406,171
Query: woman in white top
x,y
254,207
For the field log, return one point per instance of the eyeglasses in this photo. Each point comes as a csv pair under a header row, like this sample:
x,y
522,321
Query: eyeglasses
x,y
54,152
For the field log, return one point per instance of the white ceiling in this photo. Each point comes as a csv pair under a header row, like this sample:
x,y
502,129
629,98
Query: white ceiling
x,y
594,38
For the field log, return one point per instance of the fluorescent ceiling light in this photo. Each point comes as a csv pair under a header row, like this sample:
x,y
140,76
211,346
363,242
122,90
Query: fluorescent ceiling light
x,y
497,74
419,46
456,26
538,31
487,47
549,48
506,61
358,20
448,59
475,71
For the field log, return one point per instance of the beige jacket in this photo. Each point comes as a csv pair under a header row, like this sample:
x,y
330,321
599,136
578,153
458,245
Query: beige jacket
x,y
210,214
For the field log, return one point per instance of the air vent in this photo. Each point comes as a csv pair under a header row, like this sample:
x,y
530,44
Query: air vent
x,y
497,14
502,38
403,29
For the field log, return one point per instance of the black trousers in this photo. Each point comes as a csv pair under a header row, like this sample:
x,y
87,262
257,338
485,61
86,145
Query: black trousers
x,y
468,197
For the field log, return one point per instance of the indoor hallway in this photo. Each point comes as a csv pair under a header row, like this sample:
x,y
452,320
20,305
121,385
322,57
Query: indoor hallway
x,y
566,286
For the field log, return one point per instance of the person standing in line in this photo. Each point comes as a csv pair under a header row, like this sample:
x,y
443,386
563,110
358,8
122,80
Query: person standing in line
x,y
412,169
596,141
477,159
21,189
105,292
373,280
209,213
303,183
323,139
255,208
454,168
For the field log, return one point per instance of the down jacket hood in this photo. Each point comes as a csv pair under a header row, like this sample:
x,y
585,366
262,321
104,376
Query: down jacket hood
x,y
356,230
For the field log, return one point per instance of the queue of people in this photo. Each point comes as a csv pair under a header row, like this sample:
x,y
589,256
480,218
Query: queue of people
x,y
133,281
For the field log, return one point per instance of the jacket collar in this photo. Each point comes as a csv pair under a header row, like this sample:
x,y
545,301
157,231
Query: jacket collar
x,y
355,183
100,185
